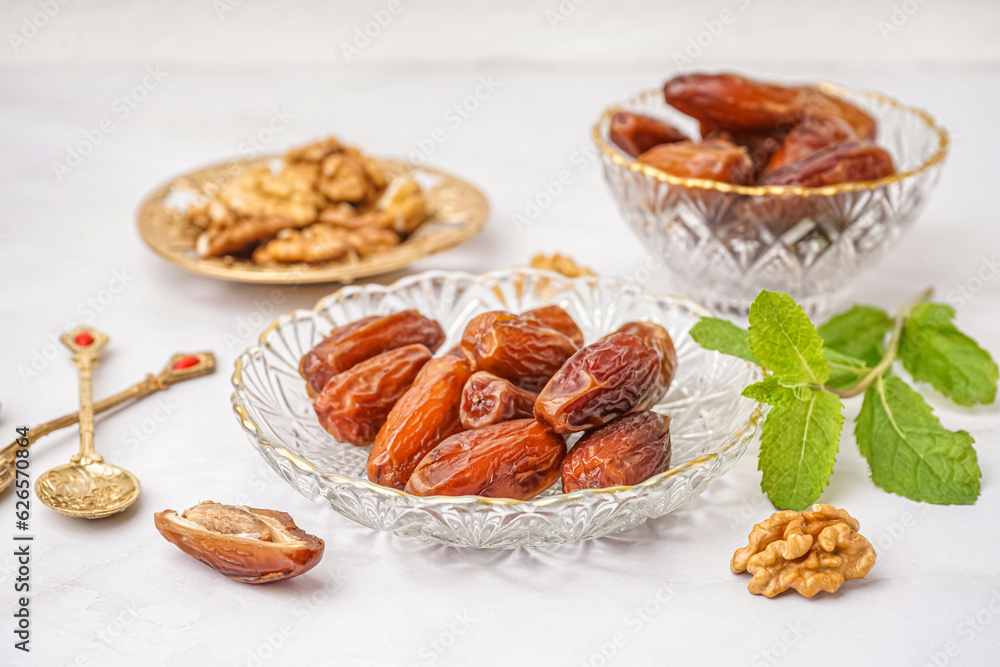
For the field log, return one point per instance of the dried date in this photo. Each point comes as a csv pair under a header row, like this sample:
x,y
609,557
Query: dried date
x,y
817,104
556,318
808,137
477,327
624,452
658,339
424,416
253,546
355,403
599,383
760,145
355,342
488,399
635,134
516,459
716,160
734,103
526,354
843,162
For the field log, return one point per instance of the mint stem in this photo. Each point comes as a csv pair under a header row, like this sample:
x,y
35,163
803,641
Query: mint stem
x,y
890,353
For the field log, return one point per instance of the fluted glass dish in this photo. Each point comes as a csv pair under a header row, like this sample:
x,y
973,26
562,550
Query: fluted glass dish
x,y
711,423
723,243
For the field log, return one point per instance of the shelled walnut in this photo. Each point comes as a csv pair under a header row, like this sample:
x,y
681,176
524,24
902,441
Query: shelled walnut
x,y
327,202
560,264
812,551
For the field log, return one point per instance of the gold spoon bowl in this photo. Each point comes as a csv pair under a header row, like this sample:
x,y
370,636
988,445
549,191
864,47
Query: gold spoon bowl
x,y
88,490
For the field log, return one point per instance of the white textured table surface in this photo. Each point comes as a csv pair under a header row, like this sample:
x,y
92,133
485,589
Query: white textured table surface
x,y
115,593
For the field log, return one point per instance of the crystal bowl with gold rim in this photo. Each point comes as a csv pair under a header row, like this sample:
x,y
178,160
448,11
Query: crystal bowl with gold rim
x,y
723,243
711,423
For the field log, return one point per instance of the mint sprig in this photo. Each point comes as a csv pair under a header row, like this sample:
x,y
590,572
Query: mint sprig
x,y
810,371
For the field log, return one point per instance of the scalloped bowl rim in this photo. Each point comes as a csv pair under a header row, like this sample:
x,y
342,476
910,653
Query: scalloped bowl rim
x,y
632,164
749,426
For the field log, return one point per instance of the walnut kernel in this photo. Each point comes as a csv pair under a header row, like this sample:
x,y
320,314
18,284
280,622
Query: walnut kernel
x,y
812,551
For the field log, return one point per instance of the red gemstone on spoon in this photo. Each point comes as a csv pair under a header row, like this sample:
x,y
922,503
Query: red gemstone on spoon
x,y
186,362
84,339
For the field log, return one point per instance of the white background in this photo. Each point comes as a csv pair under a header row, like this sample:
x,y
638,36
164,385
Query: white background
x,y
114,593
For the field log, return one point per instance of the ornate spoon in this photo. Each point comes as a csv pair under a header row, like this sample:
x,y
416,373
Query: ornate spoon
x,y
180,367
87,487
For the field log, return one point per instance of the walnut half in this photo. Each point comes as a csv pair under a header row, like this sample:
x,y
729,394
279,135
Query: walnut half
x,y
250,545
811,551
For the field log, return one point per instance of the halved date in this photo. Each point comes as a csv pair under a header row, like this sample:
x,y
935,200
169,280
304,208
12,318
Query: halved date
x,y
516,459
657,338
355,403
488,399
556,318
717,160
625,452
424,416
808,137
526,354
254,546
843,162
599,383
635,133
355,342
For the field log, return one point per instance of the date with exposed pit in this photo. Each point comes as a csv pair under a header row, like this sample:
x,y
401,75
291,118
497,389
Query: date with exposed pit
x,y
496,415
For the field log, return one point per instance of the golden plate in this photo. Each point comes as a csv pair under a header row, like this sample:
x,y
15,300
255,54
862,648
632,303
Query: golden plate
x,y
457,211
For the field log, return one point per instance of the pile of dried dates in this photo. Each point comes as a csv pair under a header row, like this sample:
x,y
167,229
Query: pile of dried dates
x,y
492,415
754,133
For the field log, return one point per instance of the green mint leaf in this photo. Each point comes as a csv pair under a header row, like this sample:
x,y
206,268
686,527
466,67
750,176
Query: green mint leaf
x,y
858,333
784,339
773,391
798,447
933,350
845,371
722,336
908,450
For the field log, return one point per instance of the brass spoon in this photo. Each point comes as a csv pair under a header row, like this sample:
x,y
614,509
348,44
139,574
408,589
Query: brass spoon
x,y
87,487
180,367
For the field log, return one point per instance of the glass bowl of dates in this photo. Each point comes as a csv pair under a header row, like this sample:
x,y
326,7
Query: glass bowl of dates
x,y
739,185
514,408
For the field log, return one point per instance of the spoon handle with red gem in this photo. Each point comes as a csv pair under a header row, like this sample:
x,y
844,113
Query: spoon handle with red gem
x,y
180,367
